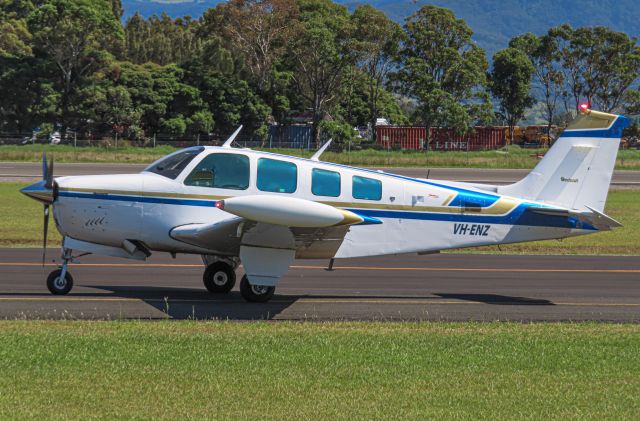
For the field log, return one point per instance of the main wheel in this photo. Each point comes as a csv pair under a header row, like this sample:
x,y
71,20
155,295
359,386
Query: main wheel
x,y
219,278
58,285
255,293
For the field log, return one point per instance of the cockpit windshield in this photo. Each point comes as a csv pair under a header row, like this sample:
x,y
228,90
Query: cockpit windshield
x,y
172,165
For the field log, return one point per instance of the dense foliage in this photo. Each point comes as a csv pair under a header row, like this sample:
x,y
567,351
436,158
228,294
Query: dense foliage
x,y
73,65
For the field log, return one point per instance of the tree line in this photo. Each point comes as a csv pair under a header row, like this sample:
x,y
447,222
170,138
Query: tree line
x,y
74,64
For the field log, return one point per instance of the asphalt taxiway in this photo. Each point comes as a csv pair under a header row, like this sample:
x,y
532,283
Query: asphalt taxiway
x,y
432,287
30,171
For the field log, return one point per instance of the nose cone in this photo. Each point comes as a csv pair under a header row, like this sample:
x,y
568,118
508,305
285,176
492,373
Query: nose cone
x,y
39,192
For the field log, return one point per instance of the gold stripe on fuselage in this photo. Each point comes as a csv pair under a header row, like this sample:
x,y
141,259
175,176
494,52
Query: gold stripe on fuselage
x,y
502,206
146,194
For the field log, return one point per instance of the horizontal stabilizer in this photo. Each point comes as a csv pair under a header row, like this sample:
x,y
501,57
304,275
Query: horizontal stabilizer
x,y
604,219
594,218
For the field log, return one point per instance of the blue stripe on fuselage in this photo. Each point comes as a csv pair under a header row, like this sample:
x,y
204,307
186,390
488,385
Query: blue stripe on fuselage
x,y
143,199
518,216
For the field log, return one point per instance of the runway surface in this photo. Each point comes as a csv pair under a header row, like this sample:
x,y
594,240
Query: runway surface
x,y
27,171
433,287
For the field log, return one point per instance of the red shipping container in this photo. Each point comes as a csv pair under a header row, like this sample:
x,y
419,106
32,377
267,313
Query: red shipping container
x,y
442,139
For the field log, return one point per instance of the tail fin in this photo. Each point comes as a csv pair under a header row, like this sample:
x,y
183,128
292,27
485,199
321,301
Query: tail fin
x,y
576,172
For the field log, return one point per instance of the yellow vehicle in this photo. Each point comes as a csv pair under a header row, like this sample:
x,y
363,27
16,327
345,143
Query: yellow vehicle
x,y
518,133
539,134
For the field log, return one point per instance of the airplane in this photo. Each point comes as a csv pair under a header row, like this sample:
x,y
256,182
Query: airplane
x,y
233,205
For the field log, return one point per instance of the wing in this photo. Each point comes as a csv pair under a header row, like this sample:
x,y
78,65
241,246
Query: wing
x,y
268,232
226,237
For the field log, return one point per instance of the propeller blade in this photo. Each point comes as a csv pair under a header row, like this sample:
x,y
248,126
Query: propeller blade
x,y
49,182
46,230
45,170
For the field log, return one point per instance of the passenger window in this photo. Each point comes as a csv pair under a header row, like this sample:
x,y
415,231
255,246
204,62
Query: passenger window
x,y
222,171
277,176
366,188
325,183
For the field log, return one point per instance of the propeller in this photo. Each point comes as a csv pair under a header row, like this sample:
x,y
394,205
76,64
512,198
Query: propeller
x,y
47,176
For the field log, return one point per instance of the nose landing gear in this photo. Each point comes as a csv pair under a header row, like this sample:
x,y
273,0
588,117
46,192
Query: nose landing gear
x,y
60,281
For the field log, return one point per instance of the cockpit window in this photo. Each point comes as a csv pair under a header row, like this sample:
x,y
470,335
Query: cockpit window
x,y
172,166
222,171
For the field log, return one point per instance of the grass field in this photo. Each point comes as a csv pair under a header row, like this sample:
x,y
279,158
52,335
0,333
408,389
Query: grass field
x,y
513,157
366,370
21,226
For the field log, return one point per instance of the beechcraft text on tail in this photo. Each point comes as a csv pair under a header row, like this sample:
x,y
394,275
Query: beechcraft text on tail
x,y
264,210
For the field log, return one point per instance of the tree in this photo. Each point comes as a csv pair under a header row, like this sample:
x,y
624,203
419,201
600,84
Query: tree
x,y
161,40
549,81
510,83
443,71
355,105
231,100
14,34
115,109
161,97
377,40
320,56
75,35
28,97
600,65
260,30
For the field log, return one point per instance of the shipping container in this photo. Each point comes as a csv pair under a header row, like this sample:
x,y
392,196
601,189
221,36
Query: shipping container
x,y
442,139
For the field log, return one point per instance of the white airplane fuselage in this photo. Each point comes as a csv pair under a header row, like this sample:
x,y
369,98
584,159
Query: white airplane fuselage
x,y
416,215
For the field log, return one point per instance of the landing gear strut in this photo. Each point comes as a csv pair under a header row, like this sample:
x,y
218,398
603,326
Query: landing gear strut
x,y
255,293
219,277
60,281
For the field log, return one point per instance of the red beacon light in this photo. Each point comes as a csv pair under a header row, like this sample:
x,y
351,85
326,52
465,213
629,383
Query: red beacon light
x,y
219,204
584,107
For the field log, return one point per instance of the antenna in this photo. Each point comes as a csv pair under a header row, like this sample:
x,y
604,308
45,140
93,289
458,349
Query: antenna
x,y
228,142
316,156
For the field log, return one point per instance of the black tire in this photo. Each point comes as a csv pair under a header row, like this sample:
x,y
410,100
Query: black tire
x,y
255,293
56,285
219,278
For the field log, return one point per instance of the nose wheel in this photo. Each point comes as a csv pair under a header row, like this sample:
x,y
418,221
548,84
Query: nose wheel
x,y
60,282
219,278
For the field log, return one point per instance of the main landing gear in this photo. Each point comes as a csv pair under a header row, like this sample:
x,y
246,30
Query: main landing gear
x,y
255,293
219,278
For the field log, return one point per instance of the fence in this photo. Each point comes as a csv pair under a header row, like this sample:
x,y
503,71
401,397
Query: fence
x,y
296,137
442,139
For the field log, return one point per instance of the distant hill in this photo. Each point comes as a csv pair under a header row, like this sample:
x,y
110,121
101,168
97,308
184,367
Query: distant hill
x,y
494,22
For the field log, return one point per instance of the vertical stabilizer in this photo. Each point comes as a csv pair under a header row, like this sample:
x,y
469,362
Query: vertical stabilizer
x,y
576,172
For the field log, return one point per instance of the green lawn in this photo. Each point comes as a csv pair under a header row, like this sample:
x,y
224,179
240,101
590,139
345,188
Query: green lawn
x,y
323,371
21,226
512,157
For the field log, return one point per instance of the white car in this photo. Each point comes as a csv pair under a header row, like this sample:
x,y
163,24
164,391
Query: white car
x,y
54,138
